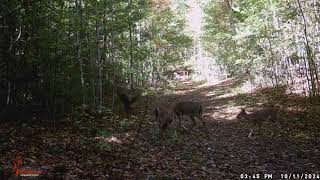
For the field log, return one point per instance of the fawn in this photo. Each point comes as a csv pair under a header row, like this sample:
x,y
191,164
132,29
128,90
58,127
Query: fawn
x,y
258,117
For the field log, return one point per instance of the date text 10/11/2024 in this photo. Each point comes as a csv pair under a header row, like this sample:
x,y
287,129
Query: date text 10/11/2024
x,y
281,176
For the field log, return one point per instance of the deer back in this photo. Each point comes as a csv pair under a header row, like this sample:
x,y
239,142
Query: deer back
x,y
188,108
267,114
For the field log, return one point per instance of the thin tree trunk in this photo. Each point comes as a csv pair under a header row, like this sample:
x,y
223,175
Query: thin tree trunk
x,y
92,69
78,5
98,59
112,60
131,43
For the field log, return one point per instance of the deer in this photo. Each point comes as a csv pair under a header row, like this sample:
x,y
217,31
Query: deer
x,y
189,108
257,118
164,115
127,99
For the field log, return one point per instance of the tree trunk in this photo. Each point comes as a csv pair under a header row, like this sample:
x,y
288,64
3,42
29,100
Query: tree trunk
x,y
78,6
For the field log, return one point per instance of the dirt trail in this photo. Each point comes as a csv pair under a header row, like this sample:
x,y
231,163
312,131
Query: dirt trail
x,y
227,152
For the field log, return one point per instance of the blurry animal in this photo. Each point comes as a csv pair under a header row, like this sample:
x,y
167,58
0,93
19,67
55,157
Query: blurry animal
x,y
189,108
127,98
164,116
257,118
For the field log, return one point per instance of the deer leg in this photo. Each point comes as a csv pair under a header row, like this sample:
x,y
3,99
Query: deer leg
x,y
204,125
163,129
250,134
180,116
259,129
193,121
203,122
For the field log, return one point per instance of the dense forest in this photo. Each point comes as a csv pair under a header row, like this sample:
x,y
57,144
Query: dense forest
x,y
78,50
159,89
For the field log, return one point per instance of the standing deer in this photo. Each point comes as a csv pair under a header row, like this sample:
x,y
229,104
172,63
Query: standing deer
x,y
189,108
258,117
127,98
164,115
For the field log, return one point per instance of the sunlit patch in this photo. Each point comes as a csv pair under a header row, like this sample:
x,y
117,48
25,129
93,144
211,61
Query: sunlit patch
x,y
226,114
210,94
111,139
227,95
247,87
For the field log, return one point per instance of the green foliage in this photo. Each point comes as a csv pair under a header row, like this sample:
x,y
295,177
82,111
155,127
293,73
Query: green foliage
x,y
67,43
169,38
236,36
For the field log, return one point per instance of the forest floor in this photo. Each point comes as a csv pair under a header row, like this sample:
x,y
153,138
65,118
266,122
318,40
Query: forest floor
x,y
131,148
